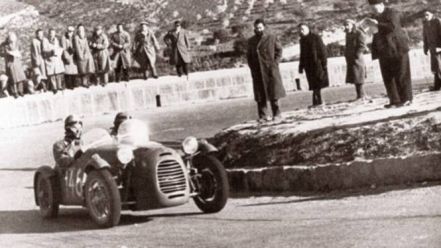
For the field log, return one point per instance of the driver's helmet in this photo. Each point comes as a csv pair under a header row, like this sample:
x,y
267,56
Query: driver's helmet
x,y
73,131
120,118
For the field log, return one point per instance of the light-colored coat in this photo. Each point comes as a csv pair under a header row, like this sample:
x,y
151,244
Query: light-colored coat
x,y
37,60
122,53
99,46
52,52
14,67
70,68
145,46
355,47
83,57
180,45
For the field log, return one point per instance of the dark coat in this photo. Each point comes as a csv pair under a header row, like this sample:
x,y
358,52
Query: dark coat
x,y
263,56
354,49
432,40
121,44
313,60
179,44
99,49
391,40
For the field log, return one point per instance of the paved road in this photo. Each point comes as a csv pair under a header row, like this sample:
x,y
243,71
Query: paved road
x,y
30,147
387,217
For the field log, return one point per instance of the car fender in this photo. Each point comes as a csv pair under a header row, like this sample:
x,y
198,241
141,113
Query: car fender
x,y
206,148
44,171
96,162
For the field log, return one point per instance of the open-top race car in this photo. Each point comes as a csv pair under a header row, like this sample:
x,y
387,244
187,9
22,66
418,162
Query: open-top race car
x,y
131,172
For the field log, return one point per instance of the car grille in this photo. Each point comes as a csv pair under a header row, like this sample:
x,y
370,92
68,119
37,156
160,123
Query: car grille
x,y
171,177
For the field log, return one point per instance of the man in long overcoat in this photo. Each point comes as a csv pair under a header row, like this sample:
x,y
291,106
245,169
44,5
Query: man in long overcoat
x,y
179,43
83,56
390,46
432,44
37,60
9,49
121,55
52,52
354,49
70,68
313,60
99,44
263,54
146,45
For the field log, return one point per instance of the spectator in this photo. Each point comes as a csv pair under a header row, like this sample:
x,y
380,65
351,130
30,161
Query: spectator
x,y
83,57
99,45
120,42
52,52
14,68
37,60
432,44
70,68
264,53
313,60
4,86
355,47
390,46
178,40
146,47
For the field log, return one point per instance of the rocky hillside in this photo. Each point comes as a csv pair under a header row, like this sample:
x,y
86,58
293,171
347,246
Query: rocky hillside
x,y
216,24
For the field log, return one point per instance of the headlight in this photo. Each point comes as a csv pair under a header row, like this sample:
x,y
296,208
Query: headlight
x,y
124,155
190,145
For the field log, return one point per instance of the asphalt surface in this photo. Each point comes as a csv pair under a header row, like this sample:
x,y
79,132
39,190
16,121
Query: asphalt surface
x,y
383,217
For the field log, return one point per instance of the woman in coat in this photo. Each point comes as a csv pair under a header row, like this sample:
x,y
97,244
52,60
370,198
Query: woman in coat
x,y
52,52
146,47
354,49
70,68
313,60
99,45
83,57
14,67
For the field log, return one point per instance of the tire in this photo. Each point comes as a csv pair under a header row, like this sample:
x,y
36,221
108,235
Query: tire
x,y
46,197
103,200
212,184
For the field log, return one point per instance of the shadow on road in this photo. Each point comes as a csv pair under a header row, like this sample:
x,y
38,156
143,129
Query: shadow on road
x,y
337,195
69,220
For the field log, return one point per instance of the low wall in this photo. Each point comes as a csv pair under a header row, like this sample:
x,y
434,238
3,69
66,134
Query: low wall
x,y
168,90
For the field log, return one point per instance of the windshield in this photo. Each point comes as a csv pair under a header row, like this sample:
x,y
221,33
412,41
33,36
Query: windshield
x,y
94,138
134,133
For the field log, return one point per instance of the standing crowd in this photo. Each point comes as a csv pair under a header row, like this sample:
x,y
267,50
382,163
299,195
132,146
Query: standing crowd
x,y
79,60
390,45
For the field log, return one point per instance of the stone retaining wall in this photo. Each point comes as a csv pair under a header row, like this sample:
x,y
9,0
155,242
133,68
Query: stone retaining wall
x,y
168,90
357,174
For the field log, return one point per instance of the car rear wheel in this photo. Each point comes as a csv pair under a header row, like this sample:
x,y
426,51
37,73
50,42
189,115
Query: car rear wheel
x,y
103,200
46,197
211,183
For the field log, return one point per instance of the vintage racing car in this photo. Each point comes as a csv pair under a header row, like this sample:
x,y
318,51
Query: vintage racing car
x,y
131,172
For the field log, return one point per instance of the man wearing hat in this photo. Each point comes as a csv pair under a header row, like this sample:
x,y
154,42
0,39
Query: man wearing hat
x,y
179,43
99,44
432,44
83,56
120,42
146,47
354,49
390,46
68,148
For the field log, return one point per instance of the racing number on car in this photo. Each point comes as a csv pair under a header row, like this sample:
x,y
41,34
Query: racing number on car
x,y
75,179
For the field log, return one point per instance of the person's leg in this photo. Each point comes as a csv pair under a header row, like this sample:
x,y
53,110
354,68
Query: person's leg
x,y
262,110
104,78
319,96
52,83
360,91
403,79
118,70
85,80
275,108
314,98
437,85
387,67
20,88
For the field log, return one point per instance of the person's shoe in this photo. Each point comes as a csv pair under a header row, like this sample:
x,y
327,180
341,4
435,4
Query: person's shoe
x,y
391,105
263,120
406,103
277,119
433,88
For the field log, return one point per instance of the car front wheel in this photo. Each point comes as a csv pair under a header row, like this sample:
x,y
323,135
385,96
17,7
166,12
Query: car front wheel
x,y
103,200
46,197
211,184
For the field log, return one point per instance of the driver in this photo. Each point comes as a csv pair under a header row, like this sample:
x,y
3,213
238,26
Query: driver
x,y
119,118
66,150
